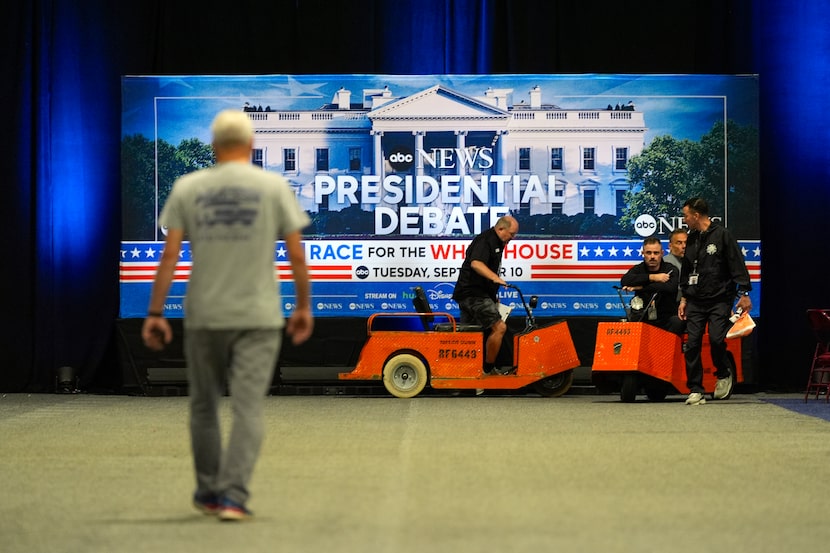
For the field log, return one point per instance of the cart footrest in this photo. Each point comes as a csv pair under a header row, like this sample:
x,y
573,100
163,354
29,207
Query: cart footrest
x,y
460,327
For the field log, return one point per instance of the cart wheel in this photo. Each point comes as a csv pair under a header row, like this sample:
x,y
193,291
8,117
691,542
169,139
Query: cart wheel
x,y
404,375
656,391
628,389
554,386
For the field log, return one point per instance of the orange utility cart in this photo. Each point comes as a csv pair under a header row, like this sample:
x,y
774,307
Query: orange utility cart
x,y
448,355
646,358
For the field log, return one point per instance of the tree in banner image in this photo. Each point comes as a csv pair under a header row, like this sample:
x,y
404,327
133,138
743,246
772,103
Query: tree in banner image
x,y
138,178
173,162
138,189
194,155
666,177
669,171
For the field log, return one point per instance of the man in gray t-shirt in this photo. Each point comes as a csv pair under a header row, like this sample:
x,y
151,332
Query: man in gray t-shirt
x,y
232,214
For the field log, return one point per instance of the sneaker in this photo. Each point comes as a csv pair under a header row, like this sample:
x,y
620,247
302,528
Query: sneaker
x,y
232,511
695,398
723,387
206,503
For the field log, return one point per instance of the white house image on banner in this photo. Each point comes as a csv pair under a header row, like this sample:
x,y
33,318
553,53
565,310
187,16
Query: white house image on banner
x,y
442,149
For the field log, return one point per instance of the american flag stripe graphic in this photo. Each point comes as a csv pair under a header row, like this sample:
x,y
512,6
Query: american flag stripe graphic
x,y
146,272
590,261
604,271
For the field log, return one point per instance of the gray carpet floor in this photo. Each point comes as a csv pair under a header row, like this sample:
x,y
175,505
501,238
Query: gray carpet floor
x,y
88,473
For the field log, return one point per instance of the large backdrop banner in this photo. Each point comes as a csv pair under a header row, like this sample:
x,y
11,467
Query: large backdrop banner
x,y
399,172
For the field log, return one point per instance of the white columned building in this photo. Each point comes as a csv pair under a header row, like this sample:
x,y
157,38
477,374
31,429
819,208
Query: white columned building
x,y
550,159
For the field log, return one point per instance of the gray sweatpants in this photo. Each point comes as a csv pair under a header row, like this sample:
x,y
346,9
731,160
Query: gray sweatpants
x,y
246,360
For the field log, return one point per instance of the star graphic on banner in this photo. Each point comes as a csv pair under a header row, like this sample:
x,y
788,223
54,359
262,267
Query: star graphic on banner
x,y
757,252
123,253
281,251
744,251
296,89
135,252
613,252
181,253
150,252
583,252
627,251
598,251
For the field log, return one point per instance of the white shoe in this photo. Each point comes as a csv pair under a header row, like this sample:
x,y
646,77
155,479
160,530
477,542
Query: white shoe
x,y
723,387
695,398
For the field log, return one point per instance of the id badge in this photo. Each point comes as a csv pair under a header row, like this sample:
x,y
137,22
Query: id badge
x,y
693,279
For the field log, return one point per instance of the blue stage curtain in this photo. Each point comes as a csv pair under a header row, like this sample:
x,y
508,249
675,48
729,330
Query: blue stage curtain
x,y
793,56
60,82
78,194
66,192
436,36
17,274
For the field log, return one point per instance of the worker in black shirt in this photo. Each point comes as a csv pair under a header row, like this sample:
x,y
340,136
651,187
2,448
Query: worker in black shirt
x,y
654,283
476,289
714,274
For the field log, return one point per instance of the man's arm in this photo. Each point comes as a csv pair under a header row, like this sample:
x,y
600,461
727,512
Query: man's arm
x,y
301,323
156,331
665,280
481,268
638,278
635,278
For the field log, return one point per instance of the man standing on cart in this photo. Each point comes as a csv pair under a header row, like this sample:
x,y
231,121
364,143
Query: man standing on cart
x,y
714,274
654,283
476,290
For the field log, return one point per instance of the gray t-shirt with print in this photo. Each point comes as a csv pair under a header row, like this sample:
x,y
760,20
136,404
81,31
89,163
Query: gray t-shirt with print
x,y
232,214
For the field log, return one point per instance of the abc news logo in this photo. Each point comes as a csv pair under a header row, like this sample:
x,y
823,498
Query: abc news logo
x,y
645,225
401,158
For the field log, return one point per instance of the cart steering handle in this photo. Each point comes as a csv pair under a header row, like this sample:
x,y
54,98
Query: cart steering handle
x,y
531,321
